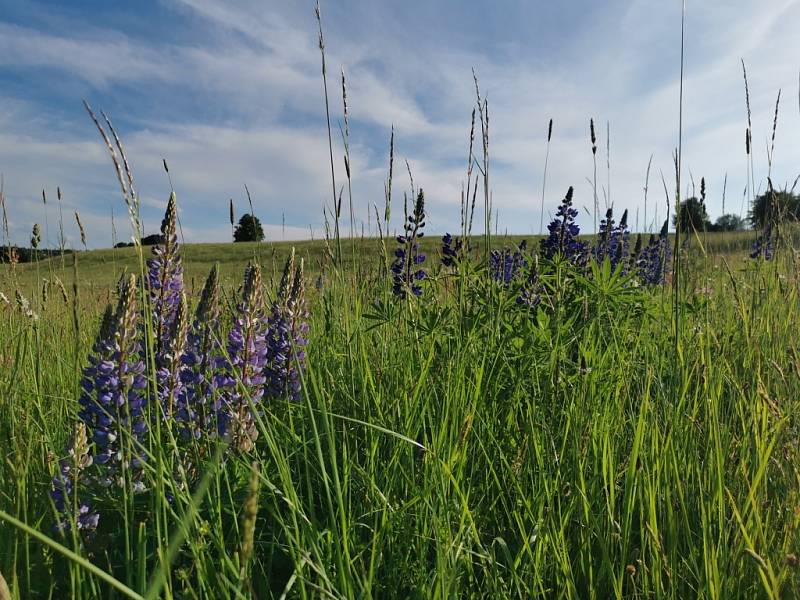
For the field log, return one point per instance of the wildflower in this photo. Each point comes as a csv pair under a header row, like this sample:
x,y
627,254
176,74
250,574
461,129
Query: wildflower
x,y
654,258
286,335
637,249
407,272
196,399
563,233
64,490
530,294
764,246
165,278
243,377
169,361
169,310
452,250
113,401
614,240
505,265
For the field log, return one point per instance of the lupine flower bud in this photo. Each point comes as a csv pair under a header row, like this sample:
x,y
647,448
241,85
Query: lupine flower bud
x,y
286,335
165,277
407,272
243,374
653,260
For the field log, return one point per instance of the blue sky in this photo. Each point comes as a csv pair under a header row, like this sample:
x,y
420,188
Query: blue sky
x,y
230,93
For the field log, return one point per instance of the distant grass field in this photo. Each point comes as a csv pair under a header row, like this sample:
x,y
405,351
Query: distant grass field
x,y
99,270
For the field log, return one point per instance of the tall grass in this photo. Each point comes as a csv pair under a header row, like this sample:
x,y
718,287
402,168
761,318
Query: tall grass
x,y
456,445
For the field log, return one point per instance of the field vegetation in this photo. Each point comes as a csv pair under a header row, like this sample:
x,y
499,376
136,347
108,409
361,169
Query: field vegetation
x,y
611,414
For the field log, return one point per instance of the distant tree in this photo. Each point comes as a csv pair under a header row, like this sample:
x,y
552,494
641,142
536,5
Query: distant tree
x,y
248,230
774,207
729,223
149,240
692,216
153,239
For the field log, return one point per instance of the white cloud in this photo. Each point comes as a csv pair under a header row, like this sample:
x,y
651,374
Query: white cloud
x,y
257,75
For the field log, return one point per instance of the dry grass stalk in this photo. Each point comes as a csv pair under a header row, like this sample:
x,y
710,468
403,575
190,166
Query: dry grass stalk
x,y
81,229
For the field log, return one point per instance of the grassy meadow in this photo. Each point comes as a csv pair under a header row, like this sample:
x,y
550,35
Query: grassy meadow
x,y
451,445
402,416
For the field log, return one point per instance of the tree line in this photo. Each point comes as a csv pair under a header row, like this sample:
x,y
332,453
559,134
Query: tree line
x,y
769,207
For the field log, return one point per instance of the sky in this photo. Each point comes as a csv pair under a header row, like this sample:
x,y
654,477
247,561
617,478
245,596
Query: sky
x,y
231,94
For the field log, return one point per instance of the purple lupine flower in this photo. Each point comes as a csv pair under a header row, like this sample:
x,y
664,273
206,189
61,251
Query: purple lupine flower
x,y
452,250
243,372
764,245
195,412
113,399
287,330
407,272
654,259
165,278
65,486
530,293
600,250
505,265
637,250
563,233
613,241
167,301
169,361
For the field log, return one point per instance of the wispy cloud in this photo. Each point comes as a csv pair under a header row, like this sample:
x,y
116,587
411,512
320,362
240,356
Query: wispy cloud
x,y
235,96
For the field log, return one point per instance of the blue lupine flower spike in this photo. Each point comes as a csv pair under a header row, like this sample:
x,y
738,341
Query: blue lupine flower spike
x,y
407,271
244,372
764,244
198,400
170,360
654,259
113,401
287,335
165,277
563,232
505,265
